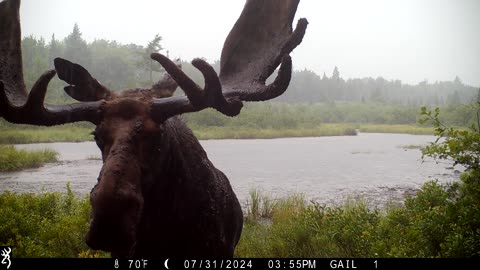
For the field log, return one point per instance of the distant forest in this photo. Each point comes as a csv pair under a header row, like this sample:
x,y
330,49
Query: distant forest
x,y
119,66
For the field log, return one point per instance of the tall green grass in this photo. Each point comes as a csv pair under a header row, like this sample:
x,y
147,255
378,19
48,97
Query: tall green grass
x,y
12,159
204,133
70,133
406,129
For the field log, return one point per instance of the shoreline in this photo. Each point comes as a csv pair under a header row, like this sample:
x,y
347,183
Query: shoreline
x,y
82,134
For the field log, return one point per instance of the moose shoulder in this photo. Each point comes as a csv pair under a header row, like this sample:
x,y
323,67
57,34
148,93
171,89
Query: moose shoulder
x,y
158,194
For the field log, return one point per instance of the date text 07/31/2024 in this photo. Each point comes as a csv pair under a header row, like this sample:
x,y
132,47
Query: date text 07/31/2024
x,y
269,264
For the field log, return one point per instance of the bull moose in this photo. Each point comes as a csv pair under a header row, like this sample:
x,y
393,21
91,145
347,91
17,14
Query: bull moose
x,y
158,194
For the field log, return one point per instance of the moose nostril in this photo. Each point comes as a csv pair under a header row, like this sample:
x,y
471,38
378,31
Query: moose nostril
x,y
97,242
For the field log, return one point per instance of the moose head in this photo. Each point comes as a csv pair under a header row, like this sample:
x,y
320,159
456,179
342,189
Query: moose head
x,y
142,142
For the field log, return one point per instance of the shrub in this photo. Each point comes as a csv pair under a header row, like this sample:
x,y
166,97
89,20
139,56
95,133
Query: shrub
x,y
45,225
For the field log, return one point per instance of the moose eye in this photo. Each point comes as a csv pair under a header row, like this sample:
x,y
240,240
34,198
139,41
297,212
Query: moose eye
x,y
97,139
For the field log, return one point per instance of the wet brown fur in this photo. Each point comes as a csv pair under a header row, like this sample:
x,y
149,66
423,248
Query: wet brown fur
x,y
158,193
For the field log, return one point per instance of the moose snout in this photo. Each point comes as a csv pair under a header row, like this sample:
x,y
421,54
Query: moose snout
x,y
96,239
108,239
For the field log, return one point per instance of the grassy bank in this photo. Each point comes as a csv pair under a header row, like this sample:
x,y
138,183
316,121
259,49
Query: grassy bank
x,y
12,159
79,134
405,129
22,134
440,221
204,133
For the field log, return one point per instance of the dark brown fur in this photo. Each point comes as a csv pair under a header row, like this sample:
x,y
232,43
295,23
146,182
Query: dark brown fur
x,y
158,194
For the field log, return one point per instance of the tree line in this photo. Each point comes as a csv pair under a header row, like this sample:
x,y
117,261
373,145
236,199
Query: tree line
x,y
121,66
307,86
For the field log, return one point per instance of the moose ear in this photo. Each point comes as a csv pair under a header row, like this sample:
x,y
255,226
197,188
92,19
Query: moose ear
x,y
167,85
83,87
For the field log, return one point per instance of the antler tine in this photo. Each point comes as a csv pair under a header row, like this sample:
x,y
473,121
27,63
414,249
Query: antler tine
x,y
261,40
267,92
34,112
191,89
33,106
15,104
296,37
198,99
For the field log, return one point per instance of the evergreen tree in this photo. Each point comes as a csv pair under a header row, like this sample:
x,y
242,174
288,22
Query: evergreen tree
x,y
324,77
54,50
76,49
148,64
336,74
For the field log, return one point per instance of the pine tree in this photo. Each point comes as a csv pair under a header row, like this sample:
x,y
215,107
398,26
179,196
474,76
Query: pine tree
x,y
152,47
54,50
76,49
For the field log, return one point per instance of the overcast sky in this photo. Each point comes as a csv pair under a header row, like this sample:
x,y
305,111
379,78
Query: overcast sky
x,y
410,40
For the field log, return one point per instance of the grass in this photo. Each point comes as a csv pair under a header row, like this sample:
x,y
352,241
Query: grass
x,y
67,133
412,147
94,157
405,129
12,159
440,221
204,133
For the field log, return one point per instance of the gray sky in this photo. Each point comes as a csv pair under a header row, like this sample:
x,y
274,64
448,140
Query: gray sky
x,y
410,40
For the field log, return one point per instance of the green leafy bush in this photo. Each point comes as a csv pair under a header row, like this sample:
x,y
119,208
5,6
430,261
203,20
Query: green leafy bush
x,y
45,225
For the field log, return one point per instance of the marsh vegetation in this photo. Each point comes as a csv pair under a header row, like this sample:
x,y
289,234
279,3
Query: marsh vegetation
x,y
12,159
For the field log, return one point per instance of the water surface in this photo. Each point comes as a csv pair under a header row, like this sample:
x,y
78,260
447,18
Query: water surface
x,y
373,167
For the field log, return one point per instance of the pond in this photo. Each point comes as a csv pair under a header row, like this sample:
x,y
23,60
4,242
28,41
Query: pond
x,y
373,167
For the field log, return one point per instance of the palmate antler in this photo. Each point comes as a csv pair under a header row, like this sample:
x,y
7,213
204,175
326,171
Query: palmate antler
x,y
15,104
260,41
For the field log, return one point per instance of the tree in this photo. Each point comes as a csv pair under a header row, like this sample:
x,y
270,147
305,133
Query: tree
x,y
324,77
112,65
76,49
152,47
458,145
35,57
336,74
460,217
54,50
454,98
457,80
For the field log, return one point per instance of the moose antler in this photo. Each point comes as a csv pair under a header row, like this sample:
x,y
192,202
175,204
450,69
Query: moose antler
x,y
15,104
258,43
